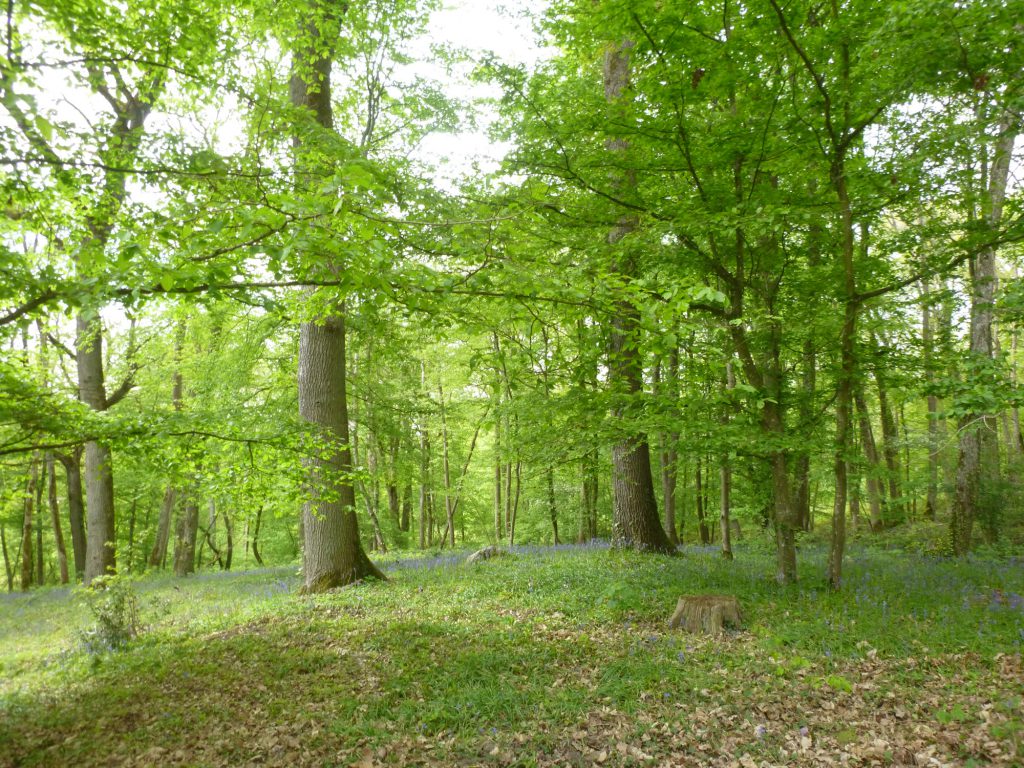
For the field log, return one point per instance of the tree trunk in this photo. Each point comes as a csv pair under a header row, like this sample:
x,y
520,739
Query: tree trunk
x,y
100,546
188,528
8,570
552,509
669,455
26,529
977,472
928,353
40,559
702,521
635,520
890,449
867,439
76,510
332,553
802,470
499,507
424,485
131,534
449,501
256,536
229,546
158,555
515,503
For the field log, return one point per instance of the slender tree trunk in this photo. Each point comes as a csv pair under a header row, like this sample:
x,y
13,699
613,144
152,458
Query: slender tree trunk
x,y
188,528
40,559
76,508
256,536
669,455
725,477
424,485
8,570
499,508
131,533
871,454
158,556
552,509
515,503
890,449
928,347
702,523
27,519
449,501
229,546
802,471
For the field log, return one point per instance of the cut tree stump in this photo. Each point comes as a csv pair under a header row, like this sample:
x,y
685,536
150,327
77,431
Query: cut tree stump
x,y
706,614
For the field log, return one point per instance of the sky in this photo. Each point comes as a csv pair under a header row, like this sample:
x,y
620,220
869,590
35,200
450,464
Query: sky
x,y
480,27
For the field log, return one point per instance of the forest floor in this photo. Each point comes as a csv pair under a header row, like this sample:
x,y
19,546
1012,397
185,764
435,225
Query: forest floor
x,y
545,657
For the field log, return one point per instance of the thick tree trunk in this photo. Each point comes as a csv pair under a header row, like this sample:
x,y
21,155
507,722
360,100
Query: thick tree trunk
x,y
977,472
332,552
99,479
635,520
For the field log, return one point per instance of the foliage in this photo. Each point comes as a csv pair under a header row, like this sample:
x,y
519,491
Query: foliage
x,y
114,607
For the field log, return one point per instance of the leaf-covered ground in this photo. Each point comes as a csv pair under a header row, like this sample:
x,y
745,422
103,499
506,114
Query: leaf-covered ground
x,y
550,657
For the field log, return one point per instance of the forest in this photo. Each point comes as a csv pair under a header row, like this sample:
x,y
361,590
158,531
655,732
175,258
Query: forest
x,y
302,303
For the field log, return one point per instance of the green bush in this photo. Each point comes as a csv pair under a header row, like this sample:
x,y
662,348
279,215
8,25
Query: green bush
x,y
115,610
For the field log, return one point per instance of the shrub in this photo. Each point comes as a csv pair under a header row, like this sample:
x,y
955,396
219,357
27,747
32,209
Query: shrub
x,y
115,610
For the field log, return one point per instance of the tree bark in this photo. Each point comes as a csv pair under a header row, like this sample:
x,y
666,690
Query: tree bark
x,y
27,560
58,534
8,571
76,508
256,536
977,472
100,544
867,439
188,528
332,551
635,520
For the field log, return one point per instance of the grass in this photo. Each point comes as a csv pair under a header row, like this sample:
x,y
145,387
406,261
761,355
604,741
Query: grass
x,y
549,656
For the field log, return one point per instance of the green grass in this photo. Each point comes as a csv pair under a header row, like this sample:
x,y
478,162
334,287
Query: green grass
x,y
545,657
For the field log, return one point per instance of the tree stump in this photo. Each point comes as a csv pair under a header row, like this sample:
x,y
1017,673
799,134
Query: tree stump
x,y
706,614
483,554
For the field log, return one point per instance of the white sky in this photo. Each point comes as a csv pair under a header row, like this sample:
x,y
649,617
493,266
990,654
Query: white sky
x,y
480,27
